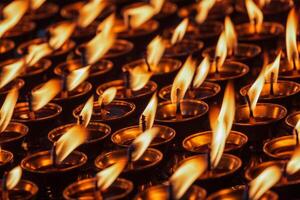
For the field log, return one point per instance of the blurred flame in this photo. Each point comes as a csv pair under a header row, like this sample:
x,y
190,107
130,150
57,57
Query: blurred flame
x,y
231,38
255,15
186,174
13,178
293,164
262,3
203,9
155,51
10,72
45,93
222,125
76,77
201,72
221,51
297,128
183,80
7,108
139,77
69,141
12,14
60,34
87,110
36,52
89,12
180,31
291,40
107,176
106,38
142,142
35,4
107,96
263,182
157,5
149,112
135,17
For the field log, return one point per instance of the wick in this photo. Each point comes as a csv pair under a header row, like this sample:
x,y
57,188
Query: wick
x,y
4,187
246,192
294,62
128,91
178,109
297,136
97,192
208,159
251,115
284,172
53,155
272,84
216,63
64,92
30,106
170,191
83,57
148,64
191,89
130,150
80,120
255,26
143,123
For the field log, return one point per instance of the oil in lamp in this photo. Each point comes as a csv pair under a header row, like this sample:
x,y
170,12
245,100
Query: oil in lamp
x,y
198,89
61,163
125,136
179,186
274,90
258,188
141,162
163,69
241,52
264,34
13,187
182,114
106,184
115,113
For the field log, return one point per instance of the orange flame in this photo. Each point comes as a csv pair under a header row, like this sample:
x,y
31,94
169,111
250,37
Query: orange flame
x,y
142,142
35,4
7,108
203,9
13,178
157,5
37,52
135,17
107,96
293,165
155,51
222,125
69,141
262,183
180,31
89,12
149,112
221,51
45,93
86,112
255,15
10,72
297,128
291,40
139,77
186,174
201,72
183,80
231,38
106,38
107,176
12,14
60,34
273,69
76,77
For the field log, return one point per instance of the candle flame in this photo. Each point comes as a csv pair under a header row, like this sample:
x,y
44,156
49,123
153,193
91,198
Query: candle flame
x,y
179,31
255,16
86,112
107,96
155,51
139,77
107,37
60,34
76,77
201,72
45,93
231,38
183,80
35,4
135,17
186,174
293,164
107,176
13,177
273,69
291,40
10,72
69,141
263,3
36,52
89,12
7,108
263,182
203,9
221,51
149,112
297,128
222,125
142,142
157,5
12,14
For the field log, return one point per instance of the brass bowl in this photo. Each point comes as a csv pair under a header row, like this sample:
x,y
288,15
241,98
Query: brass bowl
x,y
25,190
